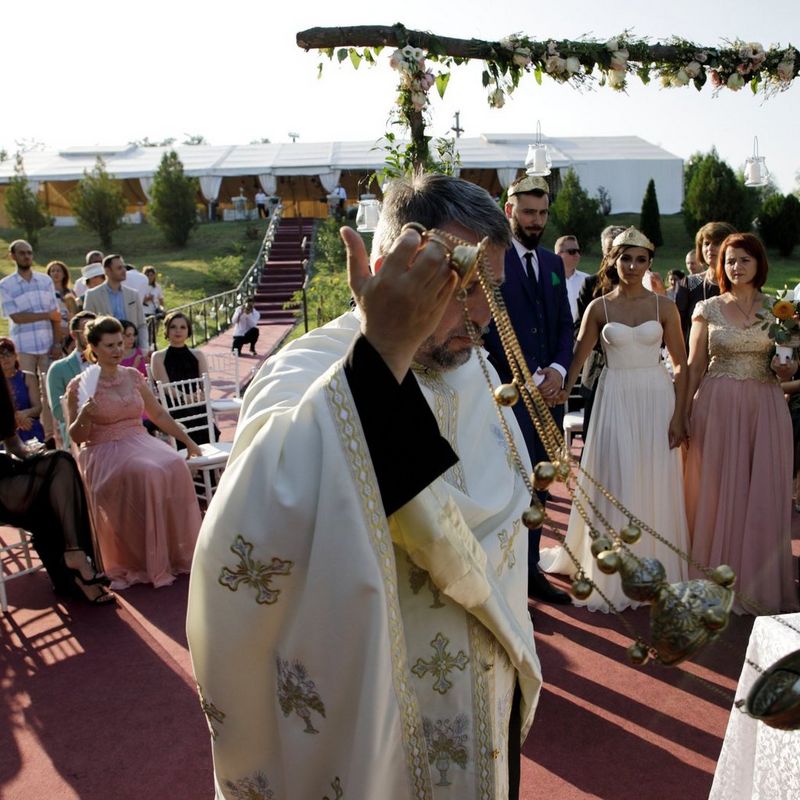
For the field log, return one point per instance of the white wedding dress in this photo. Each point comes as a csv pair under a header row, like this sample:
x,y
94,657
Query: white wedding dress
x,y
627,451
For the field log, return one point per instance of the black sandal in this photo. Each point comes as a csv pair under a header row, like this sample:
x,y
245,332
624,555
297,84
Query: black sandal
x,y
97,577
103,597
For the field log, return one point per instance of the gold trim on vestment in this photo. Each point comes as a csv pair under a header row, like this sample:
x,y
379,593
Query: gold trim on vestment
x,y
348,426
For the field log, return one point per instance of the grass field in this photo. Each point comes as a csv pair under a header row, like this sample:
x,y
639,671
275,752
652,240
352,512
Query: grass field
x,y
183,272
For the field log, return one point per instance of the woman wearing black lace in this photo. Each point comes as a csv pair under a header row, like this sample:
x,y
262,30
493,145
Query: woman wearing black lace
x,y
42,492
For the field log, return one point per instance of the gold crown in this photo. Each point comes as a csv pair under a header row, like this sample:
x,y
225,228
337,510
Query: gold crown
x,y
528,183
633,238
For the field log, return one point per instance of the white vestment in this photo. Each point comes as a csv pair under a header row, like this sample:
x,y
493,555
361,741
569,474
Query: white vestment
x,y
339,654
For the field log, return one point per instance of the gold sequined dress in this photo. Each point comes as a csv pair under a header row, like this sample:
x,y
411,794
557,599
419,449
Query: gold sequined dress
x,y
739,465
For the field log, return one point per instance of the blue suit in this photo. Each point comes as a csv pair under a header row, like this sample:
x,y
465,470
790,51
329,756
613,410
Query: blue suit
x,y
542,321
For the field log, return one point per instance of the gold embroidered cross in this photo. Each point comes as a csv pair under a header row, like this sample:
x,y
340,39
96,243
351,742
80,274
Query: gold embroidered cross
x,y
254,573
441,664
211,712
507,547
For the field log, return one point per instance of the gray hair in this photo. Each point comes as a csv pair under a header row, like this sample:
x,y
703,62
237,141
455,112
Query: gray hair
x,y
434,200
608,235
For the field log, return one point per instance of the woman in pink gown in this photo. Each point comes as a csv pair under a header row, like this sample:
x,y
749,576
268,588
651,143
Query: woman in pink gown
x,y
738,473
140,490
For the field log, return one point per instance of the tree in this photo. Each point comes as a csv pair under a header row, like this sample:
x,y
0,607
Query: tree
x,y
650,219
194,138
575,213
604,198
779,223
24,208
173,207
98,203
715,194
147,143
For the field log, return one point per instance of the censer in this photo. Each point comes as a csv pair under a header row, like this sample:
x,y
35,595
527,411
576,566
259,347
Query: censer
x,y
684,616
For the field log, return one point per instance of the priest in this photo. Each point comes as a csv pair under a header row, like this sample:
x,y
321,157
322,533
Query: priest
x,y
358,615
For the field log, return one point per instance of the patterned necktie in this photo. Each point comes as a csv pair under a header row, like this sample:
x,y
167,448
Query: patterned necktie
x,y
530,271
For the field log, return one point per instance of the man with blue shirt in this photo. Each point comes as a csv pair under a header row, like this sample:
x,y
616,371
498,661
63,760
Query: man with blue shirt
x,y
29,301
115,299
61,372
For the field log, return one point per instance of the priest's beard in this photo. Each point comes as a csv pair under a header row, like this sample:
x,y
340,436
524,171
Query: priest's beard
x,y
527,238
440,356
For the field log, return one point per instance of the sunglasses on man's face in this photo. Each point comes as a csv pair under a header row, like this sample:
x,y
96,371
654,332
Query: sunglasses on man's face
x,y
573,251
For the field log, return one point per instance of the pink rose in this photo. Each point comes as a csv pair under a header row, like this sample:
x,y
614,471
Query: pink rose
x,y
715,78
426,81
396,59
418,100
619,59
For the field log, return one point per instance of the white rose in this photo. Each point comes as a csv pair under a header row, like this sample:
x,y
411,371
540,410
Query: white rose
x,y
497,99
681,78
612,44
616,78
408,52
418,100
573,65
555,65
666,81
786,70
735,82
396,59
619,59
552,48
693,68
522,58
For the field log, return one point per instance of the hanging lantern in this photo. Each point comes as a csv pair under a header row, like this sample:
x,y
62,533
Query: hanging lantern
x,y
755,168
369,212
537,162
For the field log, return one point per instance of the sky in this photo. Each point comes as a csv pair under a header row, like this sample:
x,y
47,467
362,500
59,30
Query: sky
x,y
90,72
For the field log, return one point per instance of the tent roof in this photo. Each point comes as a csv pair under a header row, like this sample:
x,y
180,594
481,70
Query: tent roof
x,y
489,151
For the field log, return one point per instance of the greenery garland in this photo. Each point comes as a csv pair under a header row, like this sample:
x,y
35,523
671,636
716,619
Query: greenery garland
x,y
584,63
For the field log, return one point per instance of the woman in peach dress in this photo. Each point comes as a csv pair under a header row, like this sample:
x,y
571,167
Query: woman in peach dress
x,y
140,491
738,472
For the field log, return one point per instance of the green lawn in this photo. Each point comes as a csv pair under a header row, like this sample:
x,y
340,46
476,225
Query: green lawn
x,y
182,271
676,242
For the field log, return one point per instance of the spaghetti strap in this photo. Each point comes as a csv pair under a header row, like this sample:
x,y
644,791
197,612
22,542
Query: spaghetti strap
x,y
658,318
605,308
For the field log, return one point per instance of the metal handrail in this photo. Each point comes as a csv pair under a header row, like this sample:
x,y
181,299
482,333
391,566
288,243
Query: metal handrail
x,y
214,313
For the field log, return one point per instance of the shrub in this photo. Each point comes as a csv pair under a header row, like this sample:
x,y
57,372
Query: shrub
x,y
98,203
577,214
24,208
779,223
173,207
225,272
604,198
650,219
713,192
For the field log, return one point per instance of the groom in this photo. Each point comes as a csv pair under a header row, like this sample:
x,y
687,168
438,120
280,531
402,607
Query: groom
x,y
535,293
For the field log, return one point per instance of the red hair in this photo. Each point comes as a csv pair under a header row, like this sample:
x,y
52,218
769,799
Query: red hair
x,y
752,246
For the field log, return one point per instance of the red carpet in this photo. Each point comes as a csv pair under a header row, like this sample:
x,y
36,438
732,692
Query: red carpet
x,y
99,704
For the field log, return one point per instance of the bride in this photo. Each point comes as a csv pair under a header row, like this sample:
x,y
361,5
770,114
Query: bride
x,y
638,422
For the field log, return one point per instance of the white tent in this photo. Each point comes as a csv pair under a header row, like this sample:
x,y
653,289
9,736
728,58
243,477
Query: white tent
x,y
621,164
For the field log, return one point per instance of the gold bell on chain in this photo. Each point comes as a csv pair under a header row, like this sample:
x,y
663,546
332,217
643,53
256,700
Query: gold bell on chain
x,y
638,654
581,588
641,578
533,517
506,394
600,544
544,473
630,534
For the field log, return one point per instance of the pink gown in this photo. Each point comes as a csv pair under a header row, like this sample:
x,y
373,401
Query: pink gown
x,y
141,496
738,472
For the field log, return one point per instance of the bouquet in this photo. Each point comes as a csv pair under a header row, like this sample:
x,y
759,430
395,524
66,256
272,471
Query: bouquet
x,y
782,323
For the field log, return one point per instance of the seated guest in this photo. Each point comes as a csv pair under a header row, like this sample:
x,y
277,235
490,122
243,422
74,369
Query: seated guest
x,y
61,372
42,492
245,320
67,302
24,388
132,355
179,362
140,490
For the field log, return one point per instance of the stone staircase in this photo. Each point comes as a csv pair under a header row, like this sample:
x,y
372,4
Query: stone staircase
x,y
283,273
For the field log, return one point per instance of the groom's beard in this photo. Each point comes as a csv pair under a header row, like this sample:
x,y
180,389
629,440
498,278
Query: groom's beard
x,y
528,239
